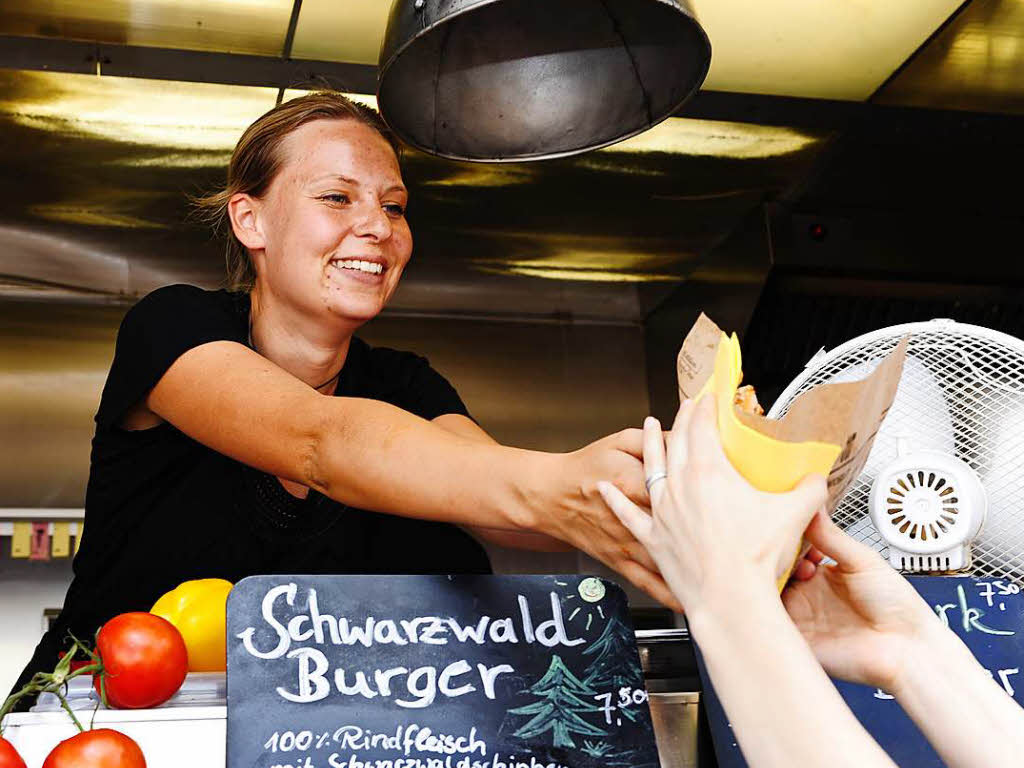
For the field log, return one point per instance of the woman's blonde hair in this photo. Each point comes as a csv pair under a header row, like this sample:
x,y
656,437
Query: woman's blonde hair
x,y
257,158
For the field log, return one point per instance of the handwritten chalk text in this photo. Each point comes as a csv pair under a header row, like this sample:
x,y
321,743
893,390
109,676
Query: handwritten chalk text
x,y
310,625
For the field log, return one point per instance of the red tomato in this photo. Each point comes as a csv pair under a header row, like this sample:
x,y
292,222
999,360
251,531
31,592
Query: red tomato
x,y
144,659
9,757
102,748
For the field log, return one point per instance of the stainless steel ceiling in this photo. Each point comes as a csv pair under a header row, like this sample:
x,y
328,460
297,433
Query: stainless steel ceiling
x,y
786,47
94,200
242,26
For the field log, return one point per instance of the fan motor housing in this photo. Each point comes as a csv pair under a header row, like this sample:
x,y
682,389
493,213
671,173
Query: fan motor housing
x,y
928,507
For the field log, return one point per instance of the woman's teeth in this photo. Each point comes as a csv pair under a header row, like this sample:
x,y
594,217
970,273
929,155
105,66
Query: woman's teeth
x,y
363,266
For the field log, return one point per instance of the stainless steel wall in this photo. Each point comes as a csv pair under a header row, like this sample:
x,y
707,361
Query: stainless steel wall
x,y
53,361
549,386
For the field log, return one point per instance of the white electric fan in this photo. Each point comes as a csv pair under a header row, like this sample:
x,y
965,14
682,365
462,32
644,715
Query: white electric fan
x,y
943,487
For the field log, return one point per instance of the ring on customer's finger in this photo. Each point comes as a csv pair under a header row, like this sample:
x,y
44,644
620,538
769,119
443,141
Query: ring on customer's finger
x,y
654,478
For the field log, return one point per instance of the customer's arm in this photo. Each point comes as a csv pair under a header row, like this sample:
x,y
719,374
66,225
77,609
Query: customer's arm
x,y
867,624
720,543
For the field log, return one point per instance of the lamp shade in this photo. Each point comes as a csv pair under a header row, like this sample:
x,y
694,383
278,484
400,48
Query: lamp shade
x,y
497,80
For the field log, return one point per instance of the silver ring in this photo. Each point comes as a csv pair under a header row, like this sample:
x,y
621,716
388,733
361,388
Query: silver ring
x,y
654,478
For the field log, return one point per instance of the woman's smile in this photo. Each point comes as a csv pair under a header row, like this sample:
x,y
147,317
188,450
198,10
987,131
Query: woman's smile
x,y
367,270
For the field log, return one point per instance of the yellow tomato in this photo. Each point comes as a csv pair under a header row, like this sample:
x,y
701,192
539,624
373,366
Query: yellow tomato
x,y
199,610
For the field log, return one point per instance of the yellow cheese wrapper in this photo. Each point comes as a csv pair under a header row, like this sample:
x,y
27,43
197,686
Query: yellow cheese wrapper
x,y
768,464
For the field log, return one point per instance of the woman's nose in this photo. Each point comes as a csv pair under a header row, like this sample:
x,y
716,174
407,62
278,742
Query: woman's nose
x,y
372,221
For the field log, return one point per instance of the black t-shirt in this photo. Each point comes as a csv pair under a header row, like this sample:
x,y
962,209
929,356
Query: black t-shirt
x,y
161,508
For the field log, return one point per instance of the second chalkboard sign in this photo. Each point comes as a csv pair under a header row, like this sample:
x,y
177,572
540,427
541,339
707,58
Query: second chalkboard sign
x,y
988,615
434,672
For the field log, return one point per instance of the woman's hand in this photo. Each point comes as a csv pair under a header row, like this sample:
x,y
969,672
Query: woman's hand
x,y
713,535
860,617
584,520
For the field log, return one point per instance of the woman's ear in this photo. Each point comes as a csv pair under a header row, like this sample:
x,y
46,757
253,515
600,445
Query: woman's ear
x,y
243,211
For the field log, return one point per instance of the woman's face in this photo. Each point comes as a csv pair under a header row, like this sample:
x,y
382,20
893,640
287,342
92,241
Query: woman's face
x,y
333,225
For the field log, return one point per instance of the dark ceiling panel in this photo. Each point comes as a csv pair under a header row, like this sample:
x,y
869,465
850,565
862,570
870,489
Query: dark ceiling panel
x,y
945,166
975,63
918,198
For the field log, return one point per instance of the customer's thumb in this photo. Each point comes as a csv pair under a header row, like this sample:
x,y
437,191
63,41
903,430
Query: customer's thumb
x,y
831,540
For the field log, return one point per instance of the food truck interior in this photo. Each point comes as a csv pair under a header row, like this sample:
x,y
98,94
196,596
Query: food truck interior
x,y
844,168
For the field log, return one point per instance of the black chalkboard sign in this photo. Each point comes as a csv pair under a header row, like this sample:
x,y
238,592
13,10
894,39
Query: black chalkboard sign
x,y
988,615
434,672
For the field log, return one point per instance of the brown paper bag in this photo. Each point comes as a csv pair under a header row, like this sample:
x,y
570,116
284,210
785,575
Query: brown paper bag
x,y
846,414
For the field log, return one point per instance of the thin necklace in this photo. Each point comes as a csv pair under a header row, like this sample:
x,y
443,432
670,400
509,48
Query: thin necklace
x,y
252,346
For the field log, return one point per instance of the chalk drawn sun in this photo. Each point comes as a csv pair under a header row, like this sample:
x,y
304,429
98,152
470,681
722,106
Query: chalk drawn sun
x,y
590,592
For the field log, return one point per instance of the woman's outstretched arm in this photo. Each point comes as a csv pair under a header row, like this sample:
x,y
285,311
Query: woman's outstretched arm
x,y
537,542
373,455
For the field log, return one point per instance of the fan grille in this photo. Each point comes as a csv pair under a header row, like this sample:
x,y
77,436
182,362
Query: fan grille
x,y
981,377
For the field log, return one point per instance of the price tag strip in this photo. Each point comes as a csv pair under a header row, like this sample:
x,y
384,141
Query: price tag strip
x,y
988,615
434,672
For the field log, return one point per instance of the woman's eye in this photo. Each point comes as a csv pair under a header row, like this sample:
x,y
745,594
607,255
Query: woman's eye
x,y
335,198
394,209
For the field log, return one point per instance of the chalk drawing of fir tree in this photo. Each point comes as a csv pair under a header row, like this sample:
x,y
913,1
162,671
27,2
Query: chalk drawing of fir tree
x,y
615,663
595,749
558,707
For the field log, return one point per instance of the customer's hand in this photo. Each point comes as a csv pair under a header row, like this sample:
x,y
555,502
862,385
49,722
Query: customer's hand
x,y
578,515
865,623
713,535
860,617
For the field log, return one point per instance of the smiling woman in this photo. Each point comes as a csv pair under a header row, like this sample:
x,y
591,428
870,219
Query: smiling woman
x,y
248,430
337,209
